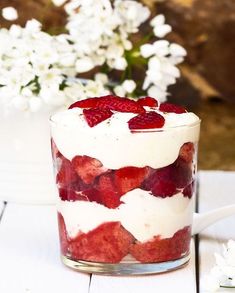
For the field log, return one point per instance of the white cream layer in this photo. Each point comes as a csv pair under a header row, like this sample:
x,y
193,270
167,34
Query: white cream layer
x,y
141,213
115,146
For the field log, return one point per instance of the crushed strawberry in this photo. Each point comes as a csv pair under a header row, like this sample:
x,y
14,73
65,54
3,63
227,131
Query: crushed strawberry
x,y
107,243
161,250
71,195
148,102
87,168
109,194
64,239
93,194
95,116
187,151
66,173
147,120
129,178
110,102
181,173
164,188
171,108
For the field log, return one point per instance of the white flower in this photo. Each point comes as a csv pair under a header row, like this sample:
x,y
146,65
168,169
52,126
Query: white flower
x,y
33,26
103,78
127,87
177,50
155,91
58,2
223,274
160,29
119,63
51,77
84,64
9,13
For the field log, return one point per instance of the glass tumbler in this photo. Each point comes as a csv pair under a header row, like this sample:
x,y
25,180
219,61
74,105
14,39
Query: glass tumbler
x,y
125,200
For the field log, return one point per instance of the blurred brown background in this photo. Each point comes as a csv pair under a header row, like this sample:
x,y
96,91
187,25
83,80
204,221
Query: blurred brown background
x,y
206,28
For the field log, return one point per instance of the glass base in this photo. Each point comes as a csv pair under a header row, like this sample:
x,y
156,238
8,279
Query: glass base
x,y
125,268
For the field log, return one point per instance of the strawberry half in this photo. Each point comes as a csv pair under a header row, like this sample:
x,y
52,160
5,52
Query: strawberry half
x,y
171,108
147,120
96,115
87,168
148,102
110,102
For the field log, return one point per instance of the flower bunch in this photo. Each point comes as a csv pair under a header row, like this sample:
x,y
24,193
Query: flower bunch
x,y
223,273
101,32
37,69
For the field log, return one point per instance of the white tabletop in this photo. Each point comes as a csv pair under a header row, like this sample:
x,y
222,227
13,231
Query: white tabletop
x,y
29,250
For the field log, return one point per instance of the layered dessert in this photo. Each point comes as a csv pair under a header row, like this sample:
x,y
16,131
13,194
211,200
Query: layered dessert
x,y
125,172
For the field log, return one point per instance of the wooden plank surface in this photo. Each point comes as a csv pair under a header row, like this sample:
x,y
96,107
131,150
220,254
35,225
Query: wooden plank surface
x,y
29,253
183,280
217,189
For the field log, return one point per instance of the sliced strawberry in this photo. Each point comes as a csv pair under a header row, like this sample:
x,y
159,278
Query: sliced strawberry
x,y
147,120
161,250
96,115
171,108
110,102
66,174
129,178
107,243
87,103
71,195
87,168
148,102
156,175
189,190
187,151
109,194
64,239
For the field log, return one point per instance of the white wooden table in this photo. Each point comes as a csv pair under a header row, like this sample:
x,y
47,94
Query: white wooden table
x,y
29,250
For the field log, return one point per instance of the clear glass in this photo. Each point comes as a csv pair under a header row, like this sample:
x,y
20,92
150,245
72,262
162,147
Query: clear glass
x,y
126,202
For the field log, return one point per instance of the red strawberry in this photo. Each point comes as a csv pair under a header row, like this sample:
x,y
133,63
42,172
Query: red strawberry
x,y
156,175
187,151
147,120
148,101
129,178
71,195
171,108
189,190
96,115
110,102
64,239
108,191
107,243
87,103
66,174
164,188
87,168
160,250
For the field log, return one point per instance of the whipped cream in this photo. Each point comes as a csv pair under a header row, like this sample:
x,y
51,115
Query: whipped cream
x,y
141,213
112,142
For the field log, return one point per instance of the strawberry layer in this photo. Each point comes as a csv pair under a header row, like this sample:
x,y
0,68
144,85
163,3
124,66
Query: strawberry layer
x,y
110,242
116,146
141,214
